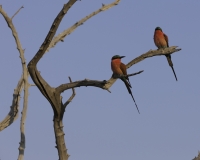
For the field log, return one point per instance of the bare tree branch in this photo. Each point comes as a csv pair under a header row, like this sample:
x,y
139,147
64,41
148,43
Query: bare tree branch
x,y
61,36
53,95
42,85
107,84
10,25
85,82
128,75
49,92
24,111
13,114
72,96
68,101
140,58
17,12
25,81
198,157
152,53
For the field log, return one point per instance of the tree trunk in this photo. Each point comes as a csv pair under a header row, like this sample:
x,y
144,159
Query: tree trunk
x,y
60,141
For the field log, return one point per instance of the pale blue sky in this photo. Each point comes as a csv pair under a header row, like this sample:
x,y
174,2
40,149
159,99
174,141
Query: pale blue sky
x,y
99,125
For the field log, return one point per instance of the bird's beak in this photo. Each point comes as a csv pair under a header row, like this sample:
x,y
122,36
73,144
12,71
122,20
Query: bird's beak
x,y
122,57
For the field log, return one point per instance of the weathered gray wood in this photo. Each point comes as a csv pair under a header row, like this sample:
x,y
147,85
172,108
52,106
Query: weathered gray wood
x,y
198,157
23,81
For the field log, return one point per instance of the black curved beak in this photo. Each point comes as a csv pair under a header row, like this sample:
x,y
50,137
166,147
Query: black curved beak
x,y
122,57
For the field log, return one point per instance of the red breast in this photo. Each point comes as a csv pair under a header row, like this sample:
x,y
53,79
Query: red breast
x,y
115,66
159,39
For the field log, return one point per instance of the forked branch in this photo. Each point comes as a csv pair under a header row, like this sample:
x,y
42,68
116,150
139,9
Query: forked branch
x,y
49,92
24,79
72,96
61,36
68,101
53,95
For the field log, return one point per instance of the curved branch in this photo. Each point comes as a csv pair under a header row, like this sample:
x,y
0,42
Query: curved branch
x,y
14,32
151,53
72,96
24,78
140,58
49,92
13,114
86,82
107,84
93,83
19,47
42,85
68,101
61,36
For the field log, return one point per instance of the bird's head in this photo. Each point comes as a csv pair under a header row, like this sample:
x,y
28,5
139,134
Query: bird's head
x,y
158,28
117,57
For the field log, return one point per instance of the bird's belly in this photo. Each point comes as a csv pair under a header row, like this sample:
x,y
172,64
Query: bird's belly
x,y
160,43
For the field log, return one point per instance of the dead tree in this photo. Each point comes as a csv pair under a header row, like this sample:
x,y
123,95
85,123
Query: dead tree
x,y
53,94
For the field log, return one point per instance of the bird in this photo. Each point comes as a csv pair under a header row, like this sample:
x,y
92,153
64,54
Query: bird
x,y
120,69
161,41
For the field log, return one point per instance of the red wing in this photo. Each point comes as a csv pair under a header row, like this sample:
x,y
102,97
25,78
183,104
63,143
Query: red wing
x,y
124,71
123,68
166,39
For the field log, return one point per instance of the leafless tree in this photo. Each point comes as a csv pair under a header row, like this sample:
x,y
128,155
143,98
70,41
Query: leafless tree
x,y
53,94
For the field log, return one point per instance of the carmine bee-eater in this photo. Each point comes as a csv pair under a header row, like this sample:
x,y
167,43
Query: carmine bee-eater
x,y
120,69
161,41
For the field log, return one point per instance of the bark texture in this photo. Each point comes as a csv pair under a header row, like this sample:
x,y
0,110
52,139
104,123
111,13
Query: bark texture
x,y
22,82
198,157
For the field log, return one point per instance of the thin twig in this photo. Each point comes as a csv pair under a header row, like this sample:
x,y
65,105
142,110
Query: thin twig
x,y
133,74
128,75
72,96
17,12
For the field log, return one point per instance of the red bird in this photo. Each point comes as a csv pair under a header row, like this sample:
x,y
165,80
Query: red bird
x,y
161,41
120,69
